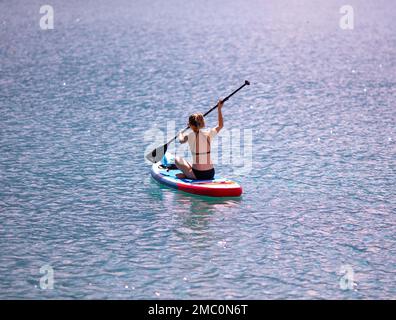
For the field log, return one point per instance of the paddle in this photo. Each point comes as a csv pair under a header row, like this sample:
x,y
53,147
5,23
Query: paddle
x,y
157,154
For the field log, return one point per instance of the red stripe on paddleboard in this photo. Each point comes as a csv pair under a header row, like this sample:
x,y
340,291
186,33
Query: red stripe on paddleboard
x,y
213,192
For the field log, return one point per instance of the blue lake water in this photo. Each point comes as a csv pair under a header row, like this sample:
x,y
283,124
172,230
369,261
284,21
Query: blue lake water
x,y
76,194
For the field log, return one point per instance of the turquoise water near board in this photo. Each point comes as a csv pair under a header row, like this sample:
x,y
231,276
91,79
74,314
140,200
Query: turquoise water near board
x,y
75,193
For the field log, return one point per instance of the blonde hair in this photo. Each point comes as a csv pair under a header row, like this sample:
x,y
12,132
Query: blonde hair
x,y
197,120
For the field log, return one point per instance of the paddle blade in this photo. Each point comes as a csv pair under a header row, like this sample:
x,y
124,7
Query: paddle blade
x,y
157,154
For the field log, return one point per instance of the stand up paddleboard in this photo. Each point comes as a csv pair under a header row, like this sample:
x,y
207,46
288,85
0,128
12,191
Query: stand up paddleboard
x,y
165,173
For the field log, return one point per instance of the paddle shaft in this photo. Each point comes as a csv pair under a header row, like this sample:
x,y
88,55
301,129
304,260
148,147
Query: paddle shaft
x,y
206,113
225,99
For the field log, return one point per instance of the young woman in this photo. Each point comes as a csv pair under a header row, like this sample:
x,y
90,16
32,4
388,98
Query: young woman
x,y
199,142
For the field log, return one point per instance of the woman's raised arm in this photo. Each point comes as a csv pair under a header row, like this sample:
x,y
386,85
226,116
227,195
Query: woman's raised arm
x,y
220,116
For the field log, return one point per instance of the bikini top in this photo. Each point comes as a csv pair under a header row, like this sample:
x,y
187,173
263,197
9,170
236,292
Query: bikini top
x,y
196,144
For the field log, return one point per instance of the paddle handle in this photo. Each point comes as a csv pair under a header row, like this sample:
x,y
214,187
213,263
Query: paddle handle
x,y
224,100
